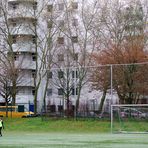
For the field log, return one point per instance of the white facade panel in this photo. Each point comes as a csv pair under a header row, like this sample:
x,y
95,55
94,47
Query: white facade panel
x,y
25,62
24,47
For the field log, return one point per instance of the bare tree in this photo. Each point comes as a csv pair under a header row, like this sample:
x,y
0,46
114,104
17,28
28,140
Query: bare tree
x,y
100,77
125,43
44,30
10,74
78,41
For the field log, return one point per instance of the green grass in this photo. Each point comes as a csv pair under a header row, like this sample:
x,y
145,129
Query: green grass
x,y
133,126
37,125
72,140
73,126
62,133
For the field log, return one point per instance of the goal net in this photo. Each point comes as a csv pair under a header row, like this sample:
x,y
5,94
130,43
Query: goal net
x,y
129,118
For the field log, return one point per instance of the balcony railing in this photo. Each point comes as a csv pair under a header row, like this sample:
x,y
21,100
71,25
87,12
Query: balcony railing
x,y
23,47
25,64
21,13
26,82
22,30
32,1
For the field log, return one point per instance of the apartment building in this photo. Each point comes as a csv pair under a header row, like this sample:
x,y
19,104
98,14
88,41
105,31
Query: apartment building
x,y
19,22
64,76
28,21
51,43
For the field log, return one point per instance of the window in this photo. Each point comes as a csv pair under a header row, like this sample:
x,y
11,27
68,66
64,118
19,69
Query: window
x,y
74,39
16,56
21,91
60,40
60,57
34,39
13,39
34,23
75,57
60,108
61,6
60,74
14,6
49,92
33,91
52,108
61,23
49,75
35,6
13,22
74,74
74,91
49,8
34,57
50,23
60,91
33,73
74,22
74,5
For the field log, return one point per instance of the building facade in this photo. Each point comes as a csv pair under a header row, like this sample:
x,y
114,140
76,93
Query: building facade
x,y
50,42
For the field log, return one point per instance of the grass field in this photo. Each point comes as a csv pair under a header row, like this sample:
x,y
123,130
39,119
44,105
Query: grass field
x,y
72,140
34,133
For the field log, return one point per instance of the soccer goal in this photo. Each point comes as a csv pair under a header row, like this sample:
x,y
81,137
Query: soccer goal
x,y
129,118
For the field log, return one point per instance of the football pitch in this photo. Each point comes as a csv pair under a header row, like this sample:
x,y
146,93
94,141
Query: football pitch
x,y
72,140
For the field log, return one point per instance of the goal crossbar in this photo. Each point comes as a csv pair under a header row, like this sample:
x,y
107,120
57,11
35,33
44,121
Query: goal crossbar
x,y
132,105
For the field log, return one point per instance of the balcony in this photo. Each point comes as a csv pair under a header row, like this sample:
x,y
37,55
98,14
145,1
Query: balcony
x,y
22,30
25,63
19,1
21,13
24,47
29,82
13,21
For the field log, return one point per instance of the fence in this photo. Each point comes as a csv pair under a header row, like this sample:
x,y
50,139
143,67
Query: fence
x,y
95,89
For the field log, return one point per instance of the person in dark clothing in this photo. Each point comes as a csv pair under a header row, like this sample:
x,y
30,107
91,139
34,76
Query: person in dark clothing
x,y
1,126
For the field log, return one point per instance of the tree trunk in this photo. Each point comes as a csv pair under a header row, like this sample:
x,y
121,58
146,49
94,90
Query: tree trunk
x,y
45,92
78,100
102,101
68,108
13,93
6,107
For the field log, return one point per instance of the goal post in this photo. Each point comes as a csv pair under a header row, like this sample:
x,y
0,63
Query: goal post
x,y
129,118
